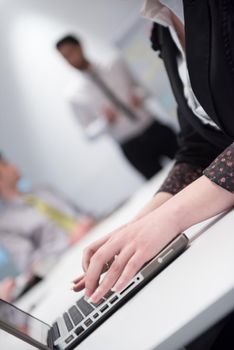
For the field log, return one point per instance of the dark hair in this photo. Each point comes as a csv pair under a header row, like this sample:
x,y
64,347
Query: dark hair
x,y
68,39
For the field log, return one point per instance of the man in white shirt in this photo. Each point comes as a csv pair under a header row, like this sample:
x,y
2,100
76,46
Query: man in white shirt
x,y
108,98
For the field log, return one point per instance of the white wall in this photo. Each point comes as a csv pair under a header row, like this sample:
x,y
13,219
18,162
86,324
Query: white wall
x,y
37,130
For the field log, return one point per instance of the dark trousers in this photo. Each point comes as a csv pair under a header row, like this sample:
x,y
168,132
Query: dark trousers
x,y
145,150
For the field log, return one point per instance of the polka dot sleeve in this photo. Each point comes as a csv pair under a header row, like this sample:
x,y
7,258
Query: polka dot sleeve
x,y
221,170
180,176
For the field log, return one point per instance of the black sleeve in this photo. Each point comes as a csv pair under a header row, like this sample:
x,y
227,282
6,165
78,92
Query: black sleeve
x,y
180,176
221,170
194,154
199,144
193,148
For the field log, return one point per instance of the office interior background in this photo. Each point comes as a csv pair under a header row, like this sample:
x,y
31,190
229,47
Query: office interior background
x,y
38,131
40,134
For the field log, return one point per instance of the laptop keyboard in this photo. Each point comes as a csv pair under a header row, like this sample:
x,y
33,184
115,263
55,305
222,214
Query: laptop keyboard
x,y
84,307
76,315
56,333
82,317
108,294
68,322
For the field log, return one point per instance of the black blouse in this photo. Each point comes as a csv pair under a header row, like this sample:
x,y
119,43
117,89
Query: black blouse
x,y
210,57
220,171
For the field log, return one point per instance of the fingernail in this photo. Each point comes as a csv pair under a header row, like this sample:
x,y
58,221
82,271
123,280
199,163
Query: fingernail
x,y
113,289
117,288
90,300
93,298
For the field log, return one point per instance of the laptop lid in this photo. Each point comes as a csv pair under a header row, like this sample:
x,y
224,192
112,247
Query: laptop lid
x,y
25,326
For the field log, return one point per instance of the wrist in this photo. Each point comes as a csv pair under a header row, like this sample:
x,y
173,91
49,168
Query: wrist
x,y
159,199
171,214
197,202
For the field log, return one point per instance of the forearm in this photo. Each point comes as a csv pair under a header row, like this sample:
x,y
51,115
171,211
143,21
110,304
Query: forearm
x,y
133,245
180,176
155,203
197,202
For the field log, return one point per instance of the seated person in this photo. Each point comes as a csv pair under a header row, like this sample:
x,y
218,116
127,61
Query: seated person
x,y
34,226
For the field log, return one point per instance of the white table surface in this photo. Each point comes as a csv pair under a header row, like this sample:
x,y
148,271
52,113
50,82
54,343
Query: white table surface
x,y
188,296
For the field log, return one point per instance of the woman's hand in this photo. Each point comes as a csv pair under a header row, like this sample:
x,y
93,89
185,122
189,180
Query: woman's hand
x,y
126,250
159,199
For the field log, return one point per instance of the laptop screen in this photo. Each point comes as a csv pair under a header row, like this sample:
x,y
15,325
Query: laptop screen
x,y
23,323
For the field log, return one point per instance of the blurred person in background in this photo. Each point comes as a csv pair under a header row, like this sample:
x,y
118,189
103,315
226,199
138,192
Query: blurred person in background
x,y
108,98
35,227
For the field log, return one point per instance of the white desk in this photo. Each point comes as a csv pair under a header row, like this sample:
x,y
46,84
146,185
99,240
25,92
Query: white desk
x,y
190,295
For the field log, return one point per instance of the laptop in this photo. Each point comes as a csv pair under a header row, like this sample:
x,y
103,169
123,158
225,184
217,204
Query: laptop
x,y
83,317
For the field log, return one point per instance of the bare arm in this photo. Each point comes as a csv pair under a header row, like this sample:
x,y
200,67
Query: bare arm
x,y
199,201
180,176
139,241
155,203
